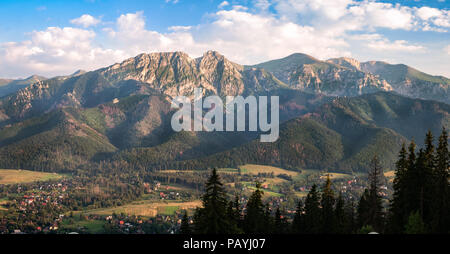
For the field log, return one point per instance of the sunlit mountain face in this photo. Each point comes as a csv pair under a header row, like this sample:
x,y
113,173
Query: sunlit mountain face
x,y
104,127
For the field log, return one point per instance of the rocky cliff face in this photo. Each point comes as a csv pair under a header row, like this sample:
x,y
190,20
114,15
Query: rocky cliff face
x,y
9,86
175,73
409,81
336,77
348,77
336,81
346,62
171,74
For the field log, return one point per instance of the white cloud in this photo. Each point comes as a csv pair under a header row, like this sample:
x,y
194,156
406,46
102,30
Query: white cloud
x,y
223,4
398,45
323,29
447,49
436,17
315,9
249,38
242,36
384,15
362,15
179,28
85,20
55,51
262,5
378,42
426,13
366,37
443,20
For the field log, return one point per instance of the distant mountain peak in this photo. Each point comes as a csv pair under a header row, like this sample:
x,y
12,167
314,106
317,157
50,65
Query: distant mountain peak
x,y
346,62
78,73
34,78
212,53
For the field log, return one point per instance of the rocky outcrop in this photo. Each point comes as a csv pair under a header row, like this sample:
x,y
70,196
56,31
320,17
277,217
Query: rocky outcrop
x,y
335,77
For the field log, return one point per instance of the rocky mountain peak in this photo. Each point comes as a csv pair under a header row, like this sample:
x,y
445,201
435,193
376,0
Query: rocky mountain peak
x,y
346,62
78,73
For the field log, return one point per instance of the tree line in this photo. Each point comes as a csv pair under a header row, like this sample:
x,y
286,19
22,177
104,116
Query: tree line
x,y
420,203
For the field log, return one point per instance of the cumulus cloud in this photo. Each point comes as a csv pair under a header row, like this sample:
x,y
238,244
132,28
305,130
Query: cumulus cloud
x,y
85,20
398,45
434,19
262,4
54,51
361,15
241,36
223,4
323,29
426,13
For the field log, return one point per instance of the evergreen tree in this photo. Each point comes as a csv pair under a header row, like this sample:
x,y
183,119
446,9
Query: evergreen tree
x,y
415,224
298,224
441,198
237,212
268,221
185,229
351,225
398,203
363,209
327,202
212,217
255,215
280,223
374,201
416,183
234,215
426,192
411,155
312,217
340,216
411,181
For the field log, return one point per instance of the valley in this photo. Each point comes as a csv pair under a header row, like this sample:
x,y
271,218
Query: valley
x,y
8,176
94,152
163,199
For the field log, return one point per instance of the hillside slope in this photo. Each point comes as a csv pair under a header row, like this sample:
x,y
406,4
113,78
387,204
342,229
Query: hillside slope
x,y
341,135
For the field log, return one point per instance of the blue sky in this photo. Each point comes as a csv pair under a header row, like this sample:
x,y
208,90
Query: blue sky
x,y
20,16
58,37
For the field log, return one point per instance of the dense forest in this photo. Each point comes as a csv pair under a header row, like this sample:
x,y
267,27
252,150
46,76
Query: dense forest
x,y
420,203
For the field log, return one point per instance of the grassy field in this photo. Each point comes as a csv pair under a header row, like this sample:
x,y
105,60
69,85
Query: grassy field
x,y
9,176
390,175
274,181
301,194
91,226
267,193
167,210
3,201
147,208
256,169
335,176
228,170
173,171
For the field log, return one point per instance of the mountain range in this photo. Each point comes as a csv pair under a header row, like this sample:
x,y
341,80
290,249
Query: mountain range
x,y
335,114
8,86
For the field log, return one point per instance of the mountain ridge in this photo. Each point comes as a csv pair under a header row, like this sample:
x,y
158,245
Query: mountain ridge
x,y
333,114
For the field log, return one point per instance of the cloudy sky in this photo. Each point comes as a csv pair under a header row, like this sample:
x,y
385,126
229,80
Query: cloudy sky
x,y
58,37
